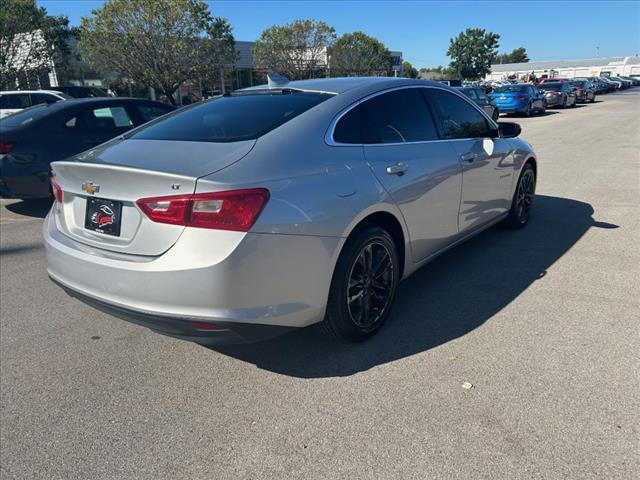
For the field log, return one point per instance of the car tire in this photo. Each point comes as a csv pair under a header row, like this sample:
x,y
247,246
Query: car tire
x,y
527,112
593,99
496,115
522,201
372,292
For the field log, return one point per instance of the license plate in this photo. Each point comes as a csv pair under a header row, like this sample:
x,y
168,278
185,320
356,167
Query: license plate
x,y
103,216
503,98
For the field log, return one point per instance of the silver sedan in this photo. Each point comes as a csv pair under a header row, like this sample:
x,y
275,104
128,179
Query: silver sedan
x,y
283,205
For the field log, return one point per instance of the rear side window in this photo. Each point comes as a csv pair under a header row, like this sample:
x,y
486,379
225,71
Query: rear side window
x,y
149,112
349,127
233,118
37,98
458,119
15,100
396,117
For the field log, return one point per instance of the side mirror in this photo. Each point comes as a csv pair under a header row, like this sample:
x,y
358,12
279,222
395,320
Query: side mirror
x,y
508,130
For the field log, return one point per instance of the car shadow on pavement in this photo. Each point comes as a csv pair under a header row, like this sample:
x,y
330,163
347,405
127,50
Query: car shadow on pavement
x,y
451,296
31,208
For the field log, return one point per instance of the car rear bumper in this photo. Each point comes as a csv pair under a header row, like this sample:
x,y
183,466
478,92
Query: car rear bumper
x,y
219,333
553,101
248,279
511,108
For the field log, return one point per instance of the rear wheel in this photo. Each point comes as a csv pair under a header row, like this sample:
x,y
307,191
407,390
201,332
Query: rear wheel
x,y
363,287
496,114
527,112
522,198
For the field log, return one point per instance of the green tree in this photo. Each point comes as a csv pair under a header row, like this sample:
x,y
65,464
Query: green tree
x,y
30,41
409,71
517,55
160,43
472,52
297,50
359,54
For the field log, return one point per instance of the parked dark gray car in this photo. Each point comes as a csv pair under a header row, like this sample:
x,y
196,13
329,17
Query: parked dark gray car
x,y
33,138
479,97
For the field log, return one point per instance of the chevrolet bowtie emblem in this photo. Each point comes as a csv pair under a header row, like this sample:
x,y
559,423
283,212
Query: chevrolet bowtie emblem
x,y
90,187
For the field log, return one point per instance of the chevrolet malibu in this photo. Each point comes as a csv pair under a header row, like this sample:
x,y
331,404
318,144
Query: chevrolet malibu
x,y
282,206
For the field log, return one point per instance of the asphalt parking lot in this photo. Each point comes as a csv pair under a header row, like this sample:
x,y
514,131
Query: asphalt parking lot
x,y
542,322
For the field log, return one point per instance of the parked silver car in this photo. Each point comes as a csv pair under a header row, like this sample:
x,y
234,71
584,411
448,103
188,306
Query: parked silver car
x,y
284,206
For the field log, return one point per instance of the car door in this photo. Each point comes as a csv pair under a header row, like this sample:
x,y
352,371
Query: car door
x,y
487,161
421,173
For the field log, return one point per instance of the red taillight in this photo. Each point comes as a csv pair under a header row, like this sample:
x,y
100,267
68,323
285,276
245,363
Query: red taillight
x,y
57,191
520,97
6,147
235,210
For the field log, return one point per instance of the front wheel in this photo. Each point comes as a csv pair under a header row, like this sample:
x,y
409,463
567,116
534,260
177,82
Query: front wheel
x,y
522,198
363,287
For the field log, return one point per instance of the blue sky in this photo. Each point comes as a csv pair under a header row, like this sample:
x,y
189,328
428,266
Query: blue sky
x,y
422,29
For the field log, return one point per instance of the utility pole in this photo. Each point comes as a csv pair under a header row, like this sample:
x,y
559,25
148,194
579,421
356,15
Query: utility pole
x,y
597,51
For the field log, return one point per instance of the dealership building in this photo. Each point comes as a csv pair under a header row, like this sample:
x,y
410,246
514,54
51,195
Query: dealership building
x,y
589,67
243,73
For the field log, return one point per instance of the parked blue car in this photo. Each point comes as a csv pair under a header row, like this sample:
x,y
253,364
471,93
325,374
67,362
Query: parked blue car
x,y
519,98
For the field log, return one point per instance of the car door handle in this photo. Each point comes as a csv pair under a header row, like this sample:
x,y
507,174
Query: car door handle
x,y
468,157
397,169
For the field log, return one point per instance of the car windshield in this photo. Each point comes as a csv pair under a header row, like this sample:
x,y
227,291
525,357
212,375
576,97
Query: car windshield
x,y
511,89
232,118
550,86
26,116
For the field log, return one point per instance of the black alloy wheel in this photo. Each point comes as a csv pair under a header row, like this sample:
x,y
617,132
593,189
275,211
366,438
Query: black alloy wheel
x,y
522,198
363,287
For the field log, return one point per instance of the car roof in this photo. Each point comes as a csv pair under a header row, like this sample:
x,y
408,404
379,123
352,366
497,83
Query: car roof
x,y
28,91
339,85
74,102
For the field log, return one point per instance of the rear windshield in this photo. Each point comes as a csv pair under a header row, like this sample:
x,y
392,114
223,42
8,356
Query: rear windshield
x,y
26,116
511,88
241,116
550,86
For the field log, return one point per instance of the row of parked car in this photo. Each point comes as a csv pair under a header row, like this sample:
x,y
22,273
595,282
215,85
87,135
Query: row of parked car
x,y
528,99
43,126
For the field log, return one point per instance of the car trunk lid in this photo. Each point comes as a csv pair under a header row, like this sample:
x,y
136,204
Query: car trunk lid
x,y
104,184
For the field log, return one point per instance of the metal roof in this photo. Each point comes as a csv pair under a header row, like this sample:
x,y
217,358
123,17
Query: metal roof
x,y
547,64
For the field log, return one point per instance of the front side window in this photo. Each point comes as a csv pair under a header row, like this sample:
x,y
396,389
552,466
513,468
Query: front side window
x,y
233,118
149,112
457,118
